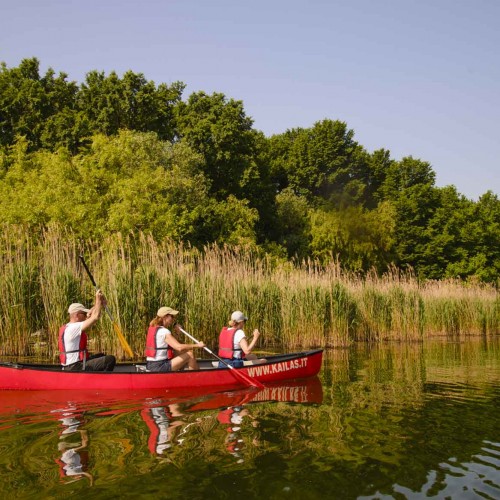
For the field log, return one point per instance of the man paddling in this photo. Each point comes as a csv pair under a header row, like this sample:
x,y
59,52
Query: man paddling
x,y
73,352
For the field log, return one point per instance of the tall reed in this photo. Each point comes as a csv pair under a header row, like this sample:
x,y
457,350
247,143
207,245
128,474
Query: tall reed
x,y
294,306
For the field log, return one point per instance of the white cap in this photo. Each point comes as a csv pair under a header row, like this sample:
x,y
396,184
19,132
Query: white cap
x,y
74,308
238,316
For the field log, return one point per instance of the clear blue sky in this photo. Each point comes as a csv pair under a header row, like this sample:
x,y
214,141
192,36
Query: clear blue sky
x,y
417,77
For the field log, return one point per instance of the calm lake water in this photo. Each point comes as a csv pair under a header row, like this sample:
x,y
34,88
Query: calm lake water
x,y
385,421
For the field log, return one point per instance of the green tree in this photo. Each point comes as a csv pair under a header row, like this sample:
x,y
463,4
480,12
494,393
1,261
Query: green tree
x,y
279,151
231,221
479,240
220,131
28,101
129,182
293,228
132,103
361,239
404,174
415,207
323,162
445,247
380,165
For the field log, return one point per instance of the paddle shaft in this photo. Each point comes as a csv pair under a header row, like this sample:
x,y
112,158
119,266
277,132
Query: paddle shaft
x,y
89,274
235,372
121,337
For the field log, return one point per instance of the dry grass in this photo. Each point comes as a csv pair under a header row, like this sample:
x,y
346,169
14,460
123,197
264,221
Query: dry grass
x,y
294,306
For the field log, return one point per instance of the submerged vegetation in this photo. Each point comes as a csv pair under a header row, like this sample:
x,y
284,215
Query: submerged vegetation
x,y
294,306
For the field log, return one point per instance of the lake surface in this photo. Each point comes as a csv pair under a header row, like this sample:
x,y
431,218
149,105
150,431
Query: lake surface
x,y
381,421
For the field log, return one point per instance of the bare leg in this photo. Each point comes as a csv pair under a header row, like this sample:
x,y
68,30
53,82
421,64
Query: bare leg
x,y
186,358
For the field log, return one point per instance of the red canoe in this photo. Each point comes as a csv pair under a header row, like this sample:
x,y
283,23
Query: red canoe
x,y
277,368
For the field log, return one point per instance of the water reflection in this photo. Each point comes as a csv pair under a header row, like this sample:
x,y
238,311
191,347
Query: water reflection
x,y
162,422
232,419
386,421
73,443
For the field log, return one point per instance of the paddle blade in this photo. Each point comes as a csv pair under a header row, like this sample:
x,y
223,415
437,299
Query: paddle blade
x,y
247,380
123,340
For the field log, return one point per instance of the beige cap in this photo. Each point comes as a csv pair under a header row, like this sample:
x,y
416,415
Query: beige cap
x,y
76,307
163,311
238,316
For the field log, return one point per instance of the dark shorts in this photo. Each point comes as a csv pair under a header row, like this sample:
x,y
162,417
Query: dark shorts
x,y
235,363
164,365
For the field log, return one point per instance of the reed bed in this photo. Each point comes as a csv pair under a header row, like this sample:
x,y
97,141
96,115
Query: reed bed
x,y
294,306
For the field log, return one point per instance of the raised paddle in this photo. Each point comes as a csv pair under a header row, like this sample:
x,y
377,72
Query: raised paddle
x,y
244,378
116,328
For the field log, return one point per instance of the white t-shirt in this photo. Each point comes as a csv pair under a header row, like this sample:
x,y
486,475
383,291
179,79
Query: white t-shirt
x,y
72,462
161,421
161,341
240,334
72,336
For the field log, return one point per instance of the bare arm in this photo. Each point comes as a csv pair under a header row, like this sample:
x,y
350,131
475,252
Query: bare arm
x,y
176,345
95,311
247,348
85,440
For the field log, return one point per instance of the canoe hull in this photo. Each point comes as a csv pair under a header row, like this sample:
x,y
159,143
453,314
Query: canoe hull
x,y
15,376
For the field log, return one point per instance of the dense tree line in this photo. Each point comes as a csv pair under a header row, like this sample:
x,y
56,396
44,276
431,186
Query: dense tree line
x,y
124,154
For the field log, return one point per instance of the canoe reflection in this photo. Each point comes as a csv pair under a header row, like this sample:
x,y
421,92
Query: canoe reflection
x,y
167,422
297,391
168,419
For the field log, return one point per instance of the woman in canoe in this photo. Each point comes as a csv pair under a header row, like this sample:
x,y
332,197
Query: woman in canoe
x,y
163,352
73,339
233,344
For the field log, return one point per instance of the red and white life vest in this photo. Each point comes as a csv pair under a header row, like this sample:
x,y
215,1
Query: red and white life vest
x,y
82,347
152,347
226,343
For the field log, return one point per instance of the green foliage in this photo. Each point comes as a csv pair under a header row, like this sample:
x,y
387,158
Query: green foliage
x,y
293,224
405,174
415,207
321,162
478,249
220,131
358,238
130,182
132,103
52,112
122,154
230,221
380,165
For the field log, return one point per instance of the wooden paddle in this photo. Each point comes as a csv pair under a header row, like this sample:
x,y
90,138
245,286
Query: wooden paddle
x,y
243,378
116,328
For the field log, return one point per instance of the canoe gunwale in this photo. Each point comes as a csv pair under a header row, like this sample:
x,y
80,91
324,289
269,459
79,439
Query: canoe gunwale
x,y
275,358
